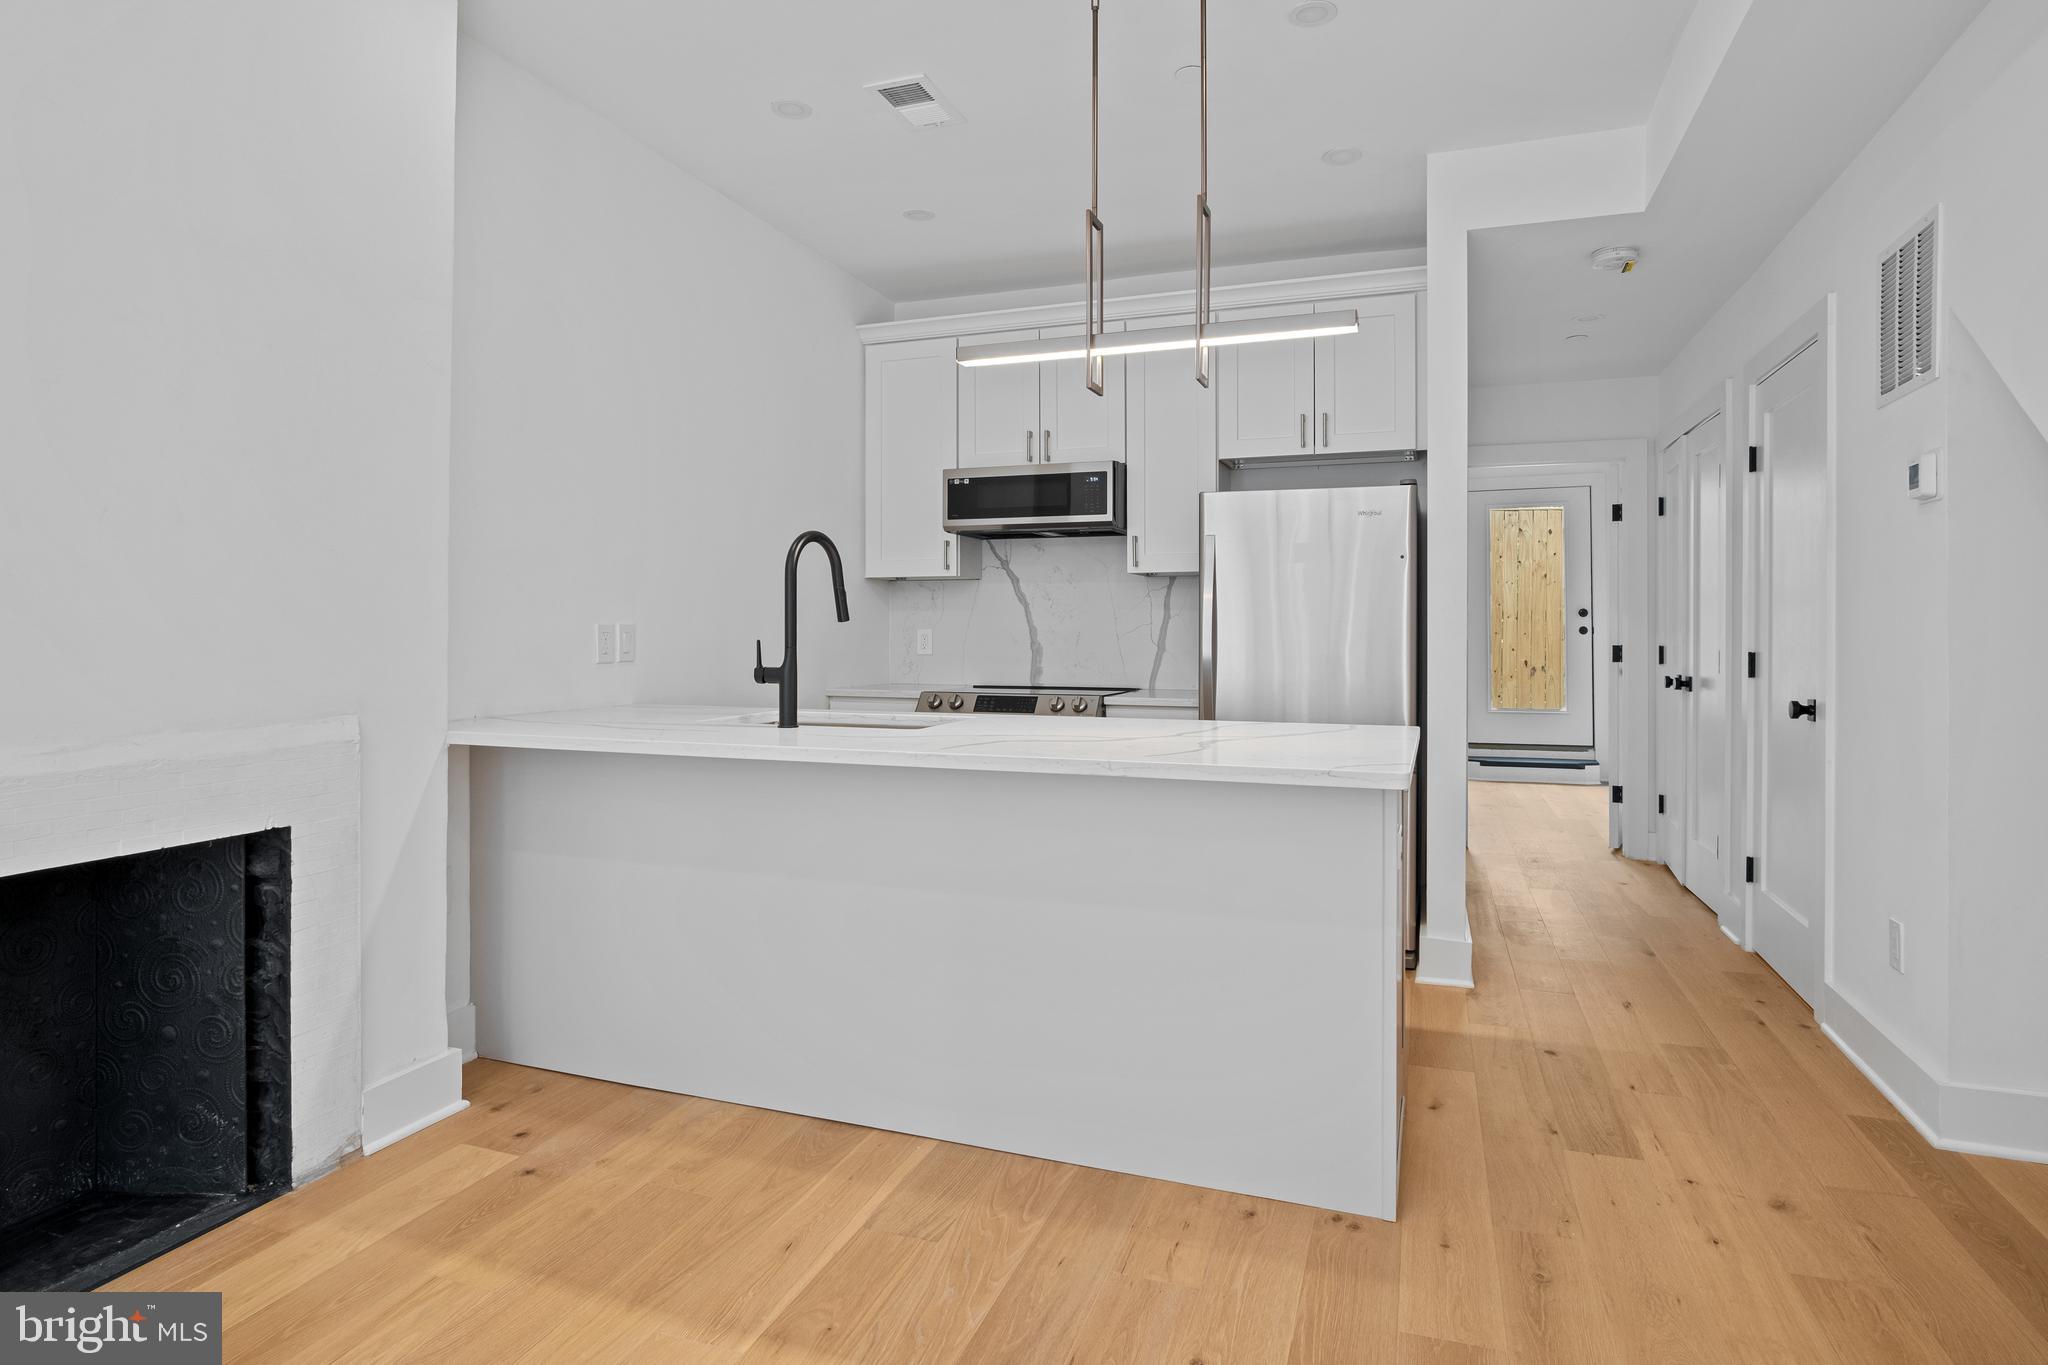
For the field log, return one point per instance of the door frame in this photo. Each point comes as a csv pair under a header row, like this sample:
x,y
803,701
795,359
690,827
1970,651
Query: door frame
x,y
1815,327
1523,467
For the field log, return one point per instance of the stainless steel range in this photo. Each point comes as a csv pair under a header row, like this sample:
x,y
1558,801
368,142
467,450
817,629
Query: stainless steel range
x,y
994,699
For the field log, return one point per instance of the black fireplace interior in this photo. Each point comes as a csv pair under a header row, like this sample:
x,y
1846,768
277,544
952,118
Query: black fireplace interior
x,y
145,1054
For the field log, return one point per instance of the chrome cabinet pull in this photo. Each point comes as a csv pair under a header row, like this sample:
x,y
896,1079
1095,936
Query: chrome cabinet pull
x,y
1029,458
1045,446
1304,431
1326,428
946,549
1134,552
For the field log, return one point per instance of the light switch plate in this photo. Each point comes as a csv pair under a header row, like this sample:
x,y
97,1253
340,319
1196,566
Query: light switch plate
x,y
607,643
1898,946
629,642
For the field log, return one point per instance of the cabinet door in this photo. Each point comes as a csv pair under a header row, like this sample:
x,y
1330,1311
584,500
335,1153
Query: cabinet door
x,y
912,394
1074,424
1365,381
1265,396
1172,454
999,409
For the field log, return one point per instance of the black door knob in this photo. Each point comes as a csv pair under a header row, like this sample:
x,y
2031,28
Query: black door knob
x,y
1584,612
1668,681
1809,709
1584,629
1685,682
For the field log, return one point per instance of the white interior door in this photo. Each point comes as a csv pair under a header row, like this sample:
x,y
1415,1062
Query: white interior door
x,y
1674,640
1707,684
1791,871
1532,617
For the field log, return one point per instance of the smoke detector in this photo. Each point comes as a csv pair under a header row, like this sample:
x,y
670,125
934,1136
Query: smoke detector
x,y
918,101
1619,259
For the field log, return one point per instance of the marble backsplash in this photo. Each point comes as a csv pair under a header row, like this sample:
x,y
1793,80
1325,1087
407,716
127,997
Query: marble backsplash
x,y
1061,611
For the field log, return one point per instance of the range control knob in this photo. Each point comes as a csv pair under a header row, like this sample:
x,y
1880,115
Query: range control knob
x,y
934,701
957,702
1080,706
1059,704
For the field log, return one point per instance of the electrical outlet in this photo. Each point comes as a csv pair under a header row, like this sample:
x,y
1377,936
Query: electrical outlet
x,y
629,642
607,643
1898,946
924,642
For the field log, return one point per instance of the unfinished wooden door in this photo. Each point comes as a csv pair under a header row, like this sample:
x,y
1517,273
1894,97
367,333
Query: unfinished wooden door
x,y
1532,613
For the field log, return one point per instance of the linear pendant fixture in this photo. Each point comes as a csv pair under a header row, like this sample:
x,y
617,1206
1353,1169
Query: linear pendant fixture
x,y
1094,345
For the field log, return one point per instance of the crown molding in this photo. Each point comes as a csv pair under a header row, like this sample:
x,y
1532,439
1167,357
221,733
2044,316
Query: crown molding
x,y
1142,307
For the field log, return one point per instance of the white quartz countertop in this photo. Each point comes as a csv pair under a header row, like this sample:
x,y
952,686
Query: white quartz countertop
x,y
1155,696
1377,757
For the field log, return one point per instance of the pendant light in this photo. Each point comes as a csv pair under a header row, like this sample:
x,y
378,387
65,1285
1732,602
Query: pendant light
x,y
1094,345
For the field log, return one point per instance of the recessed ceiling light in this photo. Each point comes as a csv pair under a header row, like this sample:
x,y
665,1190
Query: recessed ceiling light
x,y
919,215
1342,156
1576,336
1191,72
1587,317
1313,14
790,108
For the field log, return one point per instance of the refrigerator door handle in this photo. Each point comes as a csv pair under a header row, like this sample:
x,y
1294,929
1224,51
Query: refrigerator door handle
x,y
1206,678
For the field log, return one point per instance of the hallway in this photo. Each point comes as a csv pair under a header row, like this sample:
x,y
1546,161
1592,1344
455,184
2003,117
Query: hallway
x,y
1678,1164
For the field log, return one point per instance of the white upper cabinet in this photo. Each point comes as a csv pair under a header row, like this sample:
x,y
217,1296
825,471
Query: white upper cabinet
x,y
998,408
1031,414
1172,455
1265,395
1074,424
912,402
1336,395
1365,382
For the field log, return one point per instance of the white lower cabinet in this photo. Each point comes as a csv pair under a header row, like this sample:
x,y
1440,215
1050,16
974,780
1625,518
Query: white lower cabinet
x,y
911,443
1170,422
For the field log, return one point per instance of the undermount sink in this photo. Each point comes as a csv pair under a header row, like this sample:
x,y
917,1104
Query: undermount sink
x,y
768,718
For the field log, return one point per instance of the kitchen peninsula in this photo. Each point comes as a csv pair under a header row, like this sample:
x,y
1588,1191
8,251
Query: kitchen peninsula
x,y
1166,947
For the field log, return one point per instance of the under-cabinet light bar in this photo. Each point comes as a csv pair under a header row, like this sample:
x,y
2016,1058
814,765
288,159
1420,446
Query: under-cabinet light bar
x,y
1243,332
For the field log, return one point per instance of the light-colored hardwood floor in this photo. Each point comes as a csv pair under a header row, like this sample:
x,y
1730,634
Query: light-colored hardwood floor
x,y
1629,1144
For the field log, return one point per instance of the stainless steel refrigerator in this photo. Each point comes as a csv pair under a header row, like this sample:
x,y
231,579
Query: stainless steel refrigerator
x,y
1311,612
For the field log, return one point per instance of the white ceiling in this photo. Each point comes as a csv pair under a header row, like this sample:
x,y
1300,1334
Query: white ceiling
x,y
1396,78
1768,139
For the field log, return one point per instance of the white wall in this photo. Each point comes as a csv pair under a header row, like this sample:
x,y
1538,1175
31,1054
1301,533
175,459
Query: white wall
x,y
655,392
224,266
1577,410
1938,803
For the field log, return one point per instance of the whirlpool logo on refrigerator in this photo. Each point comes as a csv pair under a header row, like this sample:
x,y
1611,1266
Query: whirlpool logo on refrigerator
x,y
169,1329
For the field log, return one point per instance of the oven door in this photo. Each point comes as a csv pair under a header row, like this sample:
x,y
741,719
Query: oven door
x,y
1078,499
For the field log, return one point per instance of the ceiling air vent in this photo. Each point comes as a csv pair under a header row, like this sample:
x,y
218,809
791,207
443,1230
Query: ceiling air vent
x,y
915,99
1908,303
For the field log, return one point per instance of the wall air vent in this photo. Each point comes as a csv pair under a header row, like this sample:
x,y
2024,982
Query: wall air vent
x,y
1908,304
914,97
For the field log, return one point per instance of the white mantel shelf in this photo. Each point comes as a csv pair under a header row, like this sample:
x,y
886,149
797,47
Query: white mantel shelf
x,y
1359,757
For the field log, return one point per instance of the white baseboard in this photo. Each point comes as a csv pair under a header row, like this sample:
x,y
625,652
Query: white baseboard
x,y
462,1030
1549,777
418,1097
1954,1116
1443,962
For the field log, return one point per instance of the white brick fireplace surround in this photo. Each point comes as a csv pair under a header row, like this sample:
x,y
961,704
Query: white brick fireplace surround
x,y
63,806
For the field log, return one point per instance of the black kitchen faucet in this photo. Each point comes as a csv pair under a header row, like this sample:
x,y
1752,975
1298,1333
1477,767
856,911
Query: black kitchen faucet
x,y
783,675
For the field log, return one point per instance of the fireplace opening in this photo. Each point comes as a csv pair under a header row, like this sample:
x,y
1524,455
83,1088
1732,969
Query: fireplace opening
x,y
145,1054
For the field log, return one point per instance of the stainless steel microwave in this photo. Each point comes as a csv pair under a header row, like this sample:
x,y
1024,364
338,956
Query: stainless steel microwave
x,y
1080,498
